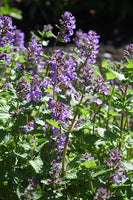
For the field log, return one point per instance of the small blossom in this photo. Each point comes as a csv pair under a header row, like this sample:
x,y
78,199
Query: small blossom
x,y
128,53
30,126
102,194
86,156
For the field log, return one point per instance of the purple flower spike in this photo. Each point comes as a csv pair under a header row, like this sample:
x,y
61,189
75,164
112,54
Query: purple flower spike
x,y
35,92
102,194
87,44
30,189
19,39
60,111
67,22
7,31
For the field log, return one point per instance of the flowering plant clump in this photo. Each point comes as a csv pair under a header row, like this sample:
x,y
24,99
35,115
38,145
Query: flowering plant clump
x,y
65,128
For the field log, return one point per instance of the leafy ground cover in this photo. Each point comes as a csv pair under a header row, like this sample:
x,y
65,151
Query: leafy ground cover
x,y
65,128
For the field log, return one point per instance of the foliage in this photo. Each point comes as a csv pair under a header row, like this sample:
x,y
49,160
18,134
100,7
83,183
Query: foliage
x,y
10,11
65,129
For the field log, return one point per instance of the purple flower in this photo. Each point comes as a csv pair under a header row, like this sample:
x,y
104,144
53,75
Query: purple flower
x,y
60,111
47,29
7,31
128,53
64,73
55,130
45,127
30,126
35,92
115,158
22,89
102,194
86,156
116,178
30,189
5,56
115,164
87,44
54,174
100,86
34,52
61,143
19,39
67,22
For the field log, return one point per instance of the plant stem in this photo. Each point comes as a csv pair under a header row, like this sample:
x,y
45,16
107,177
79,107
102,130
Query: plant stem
x,y
67,138
122,115
108,112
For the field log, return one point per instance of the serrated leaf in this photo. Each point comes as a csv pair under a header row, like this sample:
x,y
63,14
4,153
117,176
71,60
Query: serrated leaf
x,y
36,164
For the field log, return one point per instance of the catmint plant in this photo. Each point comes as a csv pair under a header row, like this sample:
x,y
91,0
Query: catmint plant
x,y
62,122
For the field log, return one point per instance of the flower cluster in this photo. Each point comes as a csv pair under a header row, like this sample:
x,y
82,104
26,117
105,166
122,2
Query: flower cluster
x,y
54,174
35,91
30,126
30,189
115,164
86,156
128,53
33,54
67,22
22,89
102,194
19,39
60,111
87,44
7,31
61,70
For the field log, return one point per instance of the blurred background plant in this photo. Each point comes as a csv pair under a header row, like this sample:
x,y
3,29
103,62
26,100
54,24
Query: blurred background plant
x,y
6,9
101,15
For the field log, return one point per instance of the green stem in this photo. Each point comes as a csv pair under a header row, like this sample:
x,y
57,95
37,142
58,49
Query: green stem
x,y
15,134
37,114
109,106
122,116
54,45
67,138
91,184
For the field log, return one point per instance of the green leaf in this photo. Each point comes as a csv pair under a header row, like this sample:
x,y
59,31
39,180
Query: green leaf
x,y
119,75
110,75
100,173
105,64
53,123
4,112
128,165
129,65
89,164
37,164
